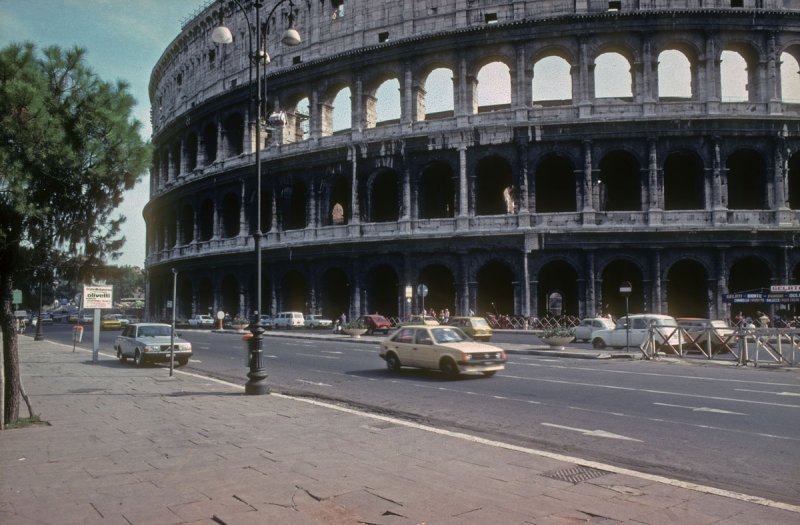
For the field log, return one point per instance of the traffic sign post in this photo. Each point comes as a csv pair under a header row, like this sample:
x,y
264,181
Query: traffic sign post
x,y
422,291
97,297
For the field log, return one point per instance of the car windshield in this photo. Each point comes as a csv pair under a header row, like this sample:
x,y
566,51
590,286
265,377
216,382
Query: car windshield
x,y
480,323
448,335
154,331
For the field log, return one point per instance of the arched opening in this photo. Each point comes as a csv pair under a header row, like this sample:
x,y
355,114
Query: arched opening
x,y
552,81
793,179
733,77
175,156
207,220
555,185
493,194
293,292
293,205
674,75
790,75
382,291
338,202
687,290
266,211
302,120
187,224
384,203
438,101
230,215
172,231
495,294
342,113
558,277
747,181
612,76
205,296
191,151
684,184
614,274
234,135
436,192
387,103
229,295
441,288
335,293
748,274
183,297
494,87
620,184
210,143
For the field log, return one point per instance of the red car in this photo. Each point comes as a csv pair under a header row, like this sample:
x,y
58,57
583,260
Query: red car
x,y
375,323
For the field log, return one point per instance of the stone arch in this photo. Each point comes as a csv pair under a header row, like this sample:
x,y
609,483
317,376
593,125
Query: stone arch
x,y
252,295
738,72
207,220
293,292
684,181
493,85
436,191
191,151
439,99
266,210
229,295
175,157
210,143
383,288
187,224
495,293
613,74
749,273
493,185
335,204
205,296
552,78
230,215
335,293
171,239
383,202
342,111
293,199
183,296
687,289
234,135
441,287
615,273
337,92
790,74
558,276
675,75
383,100
747,180
620,182
555,185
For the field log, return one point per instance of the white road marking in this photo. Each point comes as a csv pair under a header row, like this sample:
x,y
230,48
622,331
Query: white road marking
x,y
767,392
311,382
318,356
593,433
331,352
703,409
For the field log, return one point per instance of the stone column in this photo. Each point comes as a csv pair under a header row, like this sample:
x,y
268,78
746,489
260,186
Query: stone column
x,y
719,200
355,212
655,202
220,143
244,229
585,80
658,305
774,88
526,292
588,188
713,87
522,159
312,205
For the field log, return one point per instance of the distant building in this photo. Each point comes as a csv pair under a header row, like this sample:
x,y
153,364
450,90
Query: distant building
x,y
680,176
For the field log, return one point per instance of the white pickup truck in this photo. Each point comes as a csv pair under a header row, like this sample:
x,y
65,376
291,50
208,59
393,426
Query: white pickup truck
x,y
201,321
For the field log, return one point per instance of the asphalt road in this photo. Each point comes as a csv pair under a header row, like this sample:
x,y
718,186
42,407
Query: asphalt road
x,y
723,426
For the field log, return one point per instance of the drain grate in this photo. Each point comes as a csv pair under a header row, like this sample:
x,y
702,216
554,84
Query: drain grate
x,y
575,474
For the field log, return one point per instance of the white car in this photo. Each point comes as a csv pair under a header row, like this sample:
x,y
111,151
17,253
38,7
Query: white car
x,y
588,326
201,321
150,343
289,320
666,331
317,321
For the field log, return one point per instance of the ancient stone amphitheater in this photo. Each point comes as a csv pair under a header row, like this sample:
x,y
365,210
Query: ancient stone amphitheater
x,y
517,157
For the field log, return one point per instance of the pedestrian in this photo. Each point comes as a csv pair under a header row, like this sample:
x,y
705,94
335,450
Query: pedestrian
x,y
763,320
739,318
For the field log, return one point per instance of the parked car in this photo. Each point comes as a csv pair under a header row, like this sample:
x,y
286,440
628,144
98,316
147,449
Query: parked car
x,y
421,319
700,331
444,348
375,323
110,322
317,321
589,325
150,342
637,332
289,320
267,322
475,327
201,321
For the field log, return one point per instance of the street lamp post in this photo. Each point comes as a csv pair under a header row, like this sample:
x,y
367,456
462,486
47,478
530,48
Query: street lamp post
x,y
257,376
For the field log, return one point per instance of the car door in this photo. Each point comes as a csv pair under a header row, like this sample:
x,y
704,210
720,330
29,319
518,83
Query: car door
x,y
425,349
404,346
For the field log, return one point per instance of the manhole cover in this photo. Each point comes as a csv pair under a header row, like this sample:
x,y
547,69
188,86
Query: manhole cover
x,y
575,474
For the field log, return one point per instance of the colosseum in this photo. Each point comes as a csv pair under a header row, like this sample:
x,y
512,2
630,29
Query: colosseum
x,y
505,153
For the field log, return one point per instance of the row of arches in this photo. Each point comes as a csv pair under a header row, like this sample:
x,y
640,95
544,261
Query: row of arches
x,y
684,182
688,288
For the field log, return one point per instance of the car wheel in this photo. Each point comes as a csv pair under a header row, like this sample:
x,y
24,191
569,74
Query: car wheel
x,y
183,361
490,373
138,358
392,363
449,368
121,357
599,344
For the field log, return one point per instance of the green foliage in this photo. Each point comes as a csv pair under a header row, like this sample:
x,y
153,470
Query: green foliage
x,y
68,150
560,331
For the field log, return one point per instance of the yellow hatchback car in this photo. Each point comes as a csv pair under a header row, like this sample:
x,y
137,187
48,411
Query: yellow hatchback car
x,y
475,327
110,322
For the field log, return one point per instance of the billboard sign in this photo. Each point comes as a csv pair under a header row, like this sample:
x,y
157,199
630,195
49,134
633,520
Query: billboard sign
x,y
98,296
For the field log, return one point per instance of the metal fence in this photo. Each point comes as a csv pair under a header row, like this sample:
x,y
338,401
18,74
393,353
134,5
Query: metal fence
x,y
757,346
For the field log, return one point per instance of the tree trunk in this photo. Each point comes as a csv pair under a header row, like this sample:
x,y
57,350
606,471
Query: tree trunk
x,y
10,357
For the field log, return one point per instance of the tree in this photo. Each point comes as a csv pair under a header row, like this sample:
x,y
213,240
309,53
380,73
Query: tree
x,y
68,149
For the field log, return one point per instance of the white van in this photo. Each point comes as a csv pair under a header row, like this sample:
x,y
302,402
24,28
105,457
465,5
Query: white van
x,y
289,320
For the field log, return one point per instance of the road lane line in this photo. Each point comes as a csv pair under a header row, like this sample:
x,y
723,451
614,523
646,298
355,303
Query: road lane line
x,y
703,409
592,433
306,382
768,392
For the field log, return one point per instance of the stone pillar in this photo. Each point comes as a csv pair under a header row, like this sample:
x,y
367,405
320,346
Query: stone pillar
x,y
408,107
273,226
713,86
216,223
526,293
589,193
405,209
220,143
249,139
244,228
774,89
723,311
592,309
463,189
719,198
312,205
585,81
658,305
655,201
522,159
355,212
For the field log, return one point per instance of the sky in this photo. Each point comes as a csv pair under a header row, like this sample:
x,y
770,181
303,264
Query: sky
x,y
124,39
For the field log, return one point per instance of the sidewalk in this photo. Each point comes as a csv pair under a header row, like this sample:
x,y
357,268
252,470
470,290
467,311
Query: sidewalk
x,y
130,445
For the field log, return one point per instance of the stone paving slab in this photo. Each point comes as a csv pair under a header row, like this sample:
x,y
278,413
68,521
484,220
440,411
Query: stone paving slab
x,y
132,446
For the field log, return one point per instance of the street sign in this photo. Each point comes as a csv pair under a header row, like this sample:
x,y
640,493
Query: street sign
x,y
785,288
98,296
16,296
768,298
422,290
625,288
